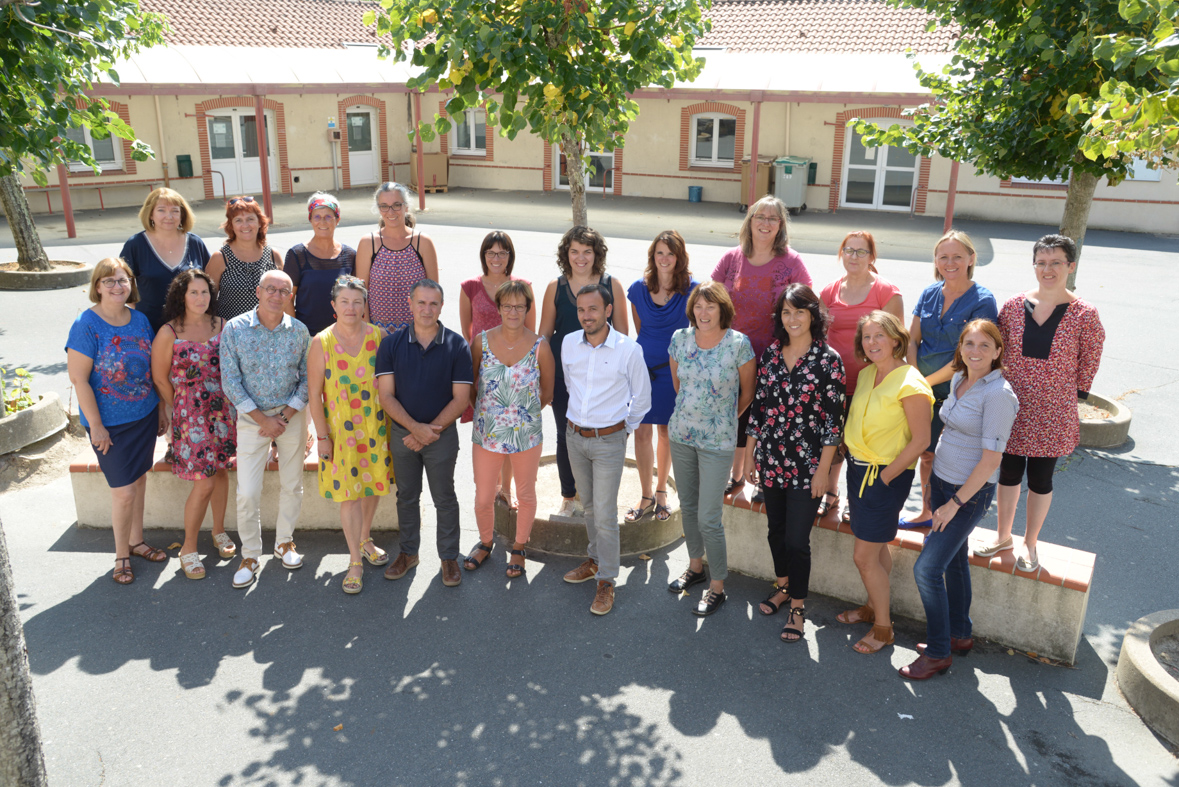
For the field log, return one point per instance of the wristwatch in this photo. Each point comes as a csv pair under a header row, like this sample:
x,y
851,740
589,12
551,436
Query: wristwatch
x,y
954,497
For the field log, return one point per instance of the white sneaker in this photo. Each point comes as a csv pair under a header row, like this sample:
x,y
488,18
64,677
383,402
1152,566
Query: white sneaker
x,y
246,573
290,558
568,508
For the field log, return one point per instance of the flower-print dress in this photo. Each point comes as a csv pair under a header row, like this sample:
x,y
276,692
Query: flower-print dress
x,y
705,414
507,409
484,316
1048,423
361,465
795,413
204,423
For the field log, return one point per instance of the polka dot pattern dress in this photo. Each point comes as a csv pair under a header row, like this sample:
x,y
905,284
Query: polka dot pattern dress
x,y
361,465
238,292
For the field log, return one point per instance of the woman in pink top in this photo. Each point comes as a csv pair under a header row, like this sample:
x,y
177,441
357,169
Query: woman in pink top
x,y
860,291
478,313
391,261
755,273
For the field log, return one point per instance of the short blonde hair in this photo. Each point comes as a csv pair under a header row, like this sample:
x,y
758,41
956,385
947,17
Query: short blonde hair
x,y
713,292
892,326
109,267
170,197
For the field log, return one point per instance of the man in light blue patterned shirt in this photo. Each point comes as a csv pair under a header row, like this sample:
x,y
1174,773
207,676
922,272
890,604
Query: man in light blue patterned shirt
x,y
264,374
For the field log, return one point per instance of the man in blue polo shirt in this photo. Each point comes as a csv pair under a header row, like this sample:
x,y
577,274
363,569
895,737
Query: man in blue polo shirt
x,y
434,365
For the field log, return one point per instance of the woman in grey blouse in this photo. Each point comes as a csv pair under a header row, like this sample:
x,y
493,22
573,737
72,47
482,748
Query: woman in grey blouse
x,y
977,419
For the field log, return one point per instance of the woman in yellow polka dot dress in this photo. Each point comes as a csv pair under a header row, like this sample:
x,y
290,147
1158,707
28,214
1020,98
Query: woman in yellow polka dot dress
x,y
355,468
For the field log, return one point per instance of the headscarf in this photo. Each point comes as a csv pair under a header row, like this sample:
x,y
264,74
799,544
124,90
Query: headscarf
x,y
323,202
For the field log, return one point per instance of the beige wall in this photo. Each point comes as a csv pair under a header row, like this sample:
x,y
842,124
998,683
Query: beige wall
x,y
650,166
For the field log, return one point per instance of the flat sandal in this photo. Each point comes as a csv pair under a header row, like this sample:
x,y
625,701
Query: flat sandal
x,y
516,570
882,634
769,601
798,633
865,614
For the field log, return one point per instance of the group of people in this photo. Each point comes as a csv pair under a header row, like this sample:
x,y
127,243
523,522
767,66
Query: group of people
x,y
748,378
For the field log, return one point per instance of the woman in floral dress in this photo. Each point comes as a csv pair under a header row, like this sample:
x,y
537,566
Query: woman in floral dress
x,y
712,371
186,369
797,422
514,371
355,466
1054,341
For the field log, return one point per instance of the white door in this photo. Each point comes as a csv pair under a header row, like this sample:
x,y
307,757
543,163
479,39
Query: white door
x,y
362,149
233,151
599,175
880,178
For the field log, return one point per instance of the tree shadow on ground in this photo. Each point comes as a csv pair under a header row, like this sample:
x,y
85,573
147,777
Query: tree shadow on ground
x,y
496,682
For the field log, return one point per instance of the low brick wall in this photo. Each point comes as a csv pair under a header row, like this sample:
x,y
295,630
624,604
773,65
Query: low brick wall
x,y
164,507
1041,611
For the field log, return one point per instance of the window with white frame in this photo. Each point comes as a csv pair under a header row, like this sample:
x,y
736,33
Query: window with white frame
x,y
1140,172
107,152
714,140
470,132
1041,181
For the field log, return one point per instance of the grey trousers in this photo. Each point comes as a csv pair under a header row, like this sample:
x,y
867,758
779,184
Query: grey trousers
x,y
597,464
437,460
700,478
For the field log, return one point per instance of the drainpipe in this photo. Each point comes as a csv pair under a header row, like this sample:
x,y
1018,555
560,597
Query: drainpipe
x,y
263,156
417,138
953,192
67,205
753,156
163,145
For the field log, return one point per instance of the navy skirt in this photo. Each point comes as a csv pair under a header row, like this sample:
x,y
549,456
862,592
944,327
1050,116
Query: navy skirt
x,y
132,447
875,515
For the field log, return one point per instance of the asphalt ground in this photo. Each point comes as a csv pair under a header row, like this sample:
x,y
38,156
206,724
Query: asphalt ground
x,y
502,683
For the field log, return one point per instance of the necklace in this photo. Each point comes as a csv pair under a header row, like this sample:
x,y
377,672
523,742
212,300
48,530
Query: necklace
x,y
510,346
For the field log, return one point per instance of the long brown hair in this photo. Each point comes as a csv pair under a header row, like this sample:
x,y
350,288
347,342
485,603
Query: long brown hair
x,y
681,277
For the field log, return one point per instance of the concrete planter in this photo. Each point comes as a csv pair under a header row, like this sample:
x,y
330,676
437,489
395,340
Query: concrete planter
x,y
65,273
1106,432
25,427
561,535
1148,687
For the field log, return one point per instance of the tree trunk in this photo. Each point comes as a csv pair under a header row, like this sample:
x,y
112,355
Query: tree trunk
x,y
29,253
21,760
571,147
1075,220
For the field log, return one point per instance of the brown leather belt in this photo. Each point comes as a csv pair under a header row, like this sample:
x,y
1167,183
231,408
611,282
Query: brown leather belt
x,y
605,430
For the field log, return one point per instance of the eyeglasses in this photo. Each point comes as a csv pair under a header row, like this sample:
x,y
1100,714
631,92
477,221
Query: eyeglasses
x,y
857,253
271,290
766,219
236,200
110,284
1049,265
516,308
396,207
499,255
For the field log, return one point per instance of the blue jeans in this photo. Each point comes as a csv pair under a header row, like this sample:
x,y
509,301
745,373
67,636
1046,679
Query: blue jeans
x,y
943,569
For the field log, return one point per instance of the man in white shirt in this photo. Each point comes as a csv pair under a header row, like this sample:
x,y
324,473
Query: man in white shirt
x,y
609,393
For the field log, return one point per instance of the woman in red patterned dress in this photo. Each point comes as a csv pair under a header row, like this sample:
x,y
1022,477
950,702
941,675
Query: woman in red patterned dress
x,y
1054,342
393,259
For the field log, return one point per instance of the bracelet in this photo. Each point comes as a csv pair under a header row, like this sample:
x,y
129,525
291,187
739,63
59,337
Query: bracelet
x,y
283,416
954,497
322,438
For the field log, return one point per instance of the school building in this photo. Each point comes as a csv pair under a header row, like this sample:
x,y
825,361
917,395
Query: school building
x,y
782,78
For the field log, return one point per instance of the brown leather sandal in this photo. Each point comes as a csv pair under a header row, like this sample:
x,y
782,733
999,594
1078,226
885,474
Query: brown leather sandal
x,y
149,553
882,634
864,614
123,573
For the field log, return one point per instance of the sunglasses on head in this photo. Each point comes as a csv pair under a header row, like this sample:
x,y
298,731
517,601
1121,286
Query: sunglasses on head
x,y
236,200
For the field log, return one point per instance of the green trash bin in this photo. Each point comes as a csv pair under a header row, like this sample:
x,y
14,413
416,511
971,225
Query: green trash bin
x,y
184,166
791,180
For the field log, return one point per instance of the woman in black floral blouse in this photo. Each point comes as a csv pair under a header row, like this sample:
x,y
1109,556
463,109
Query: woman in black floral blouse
x,y
797,419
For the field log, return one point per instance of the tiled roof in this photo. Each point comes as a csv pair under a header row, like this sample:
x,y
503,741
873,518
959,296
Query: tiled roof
x,y
266,23
822,26
739,25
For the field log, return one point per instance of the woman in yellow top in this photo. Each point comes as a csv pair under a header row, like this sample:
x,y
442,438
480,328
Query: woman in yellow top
x,y
887,429
355,466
